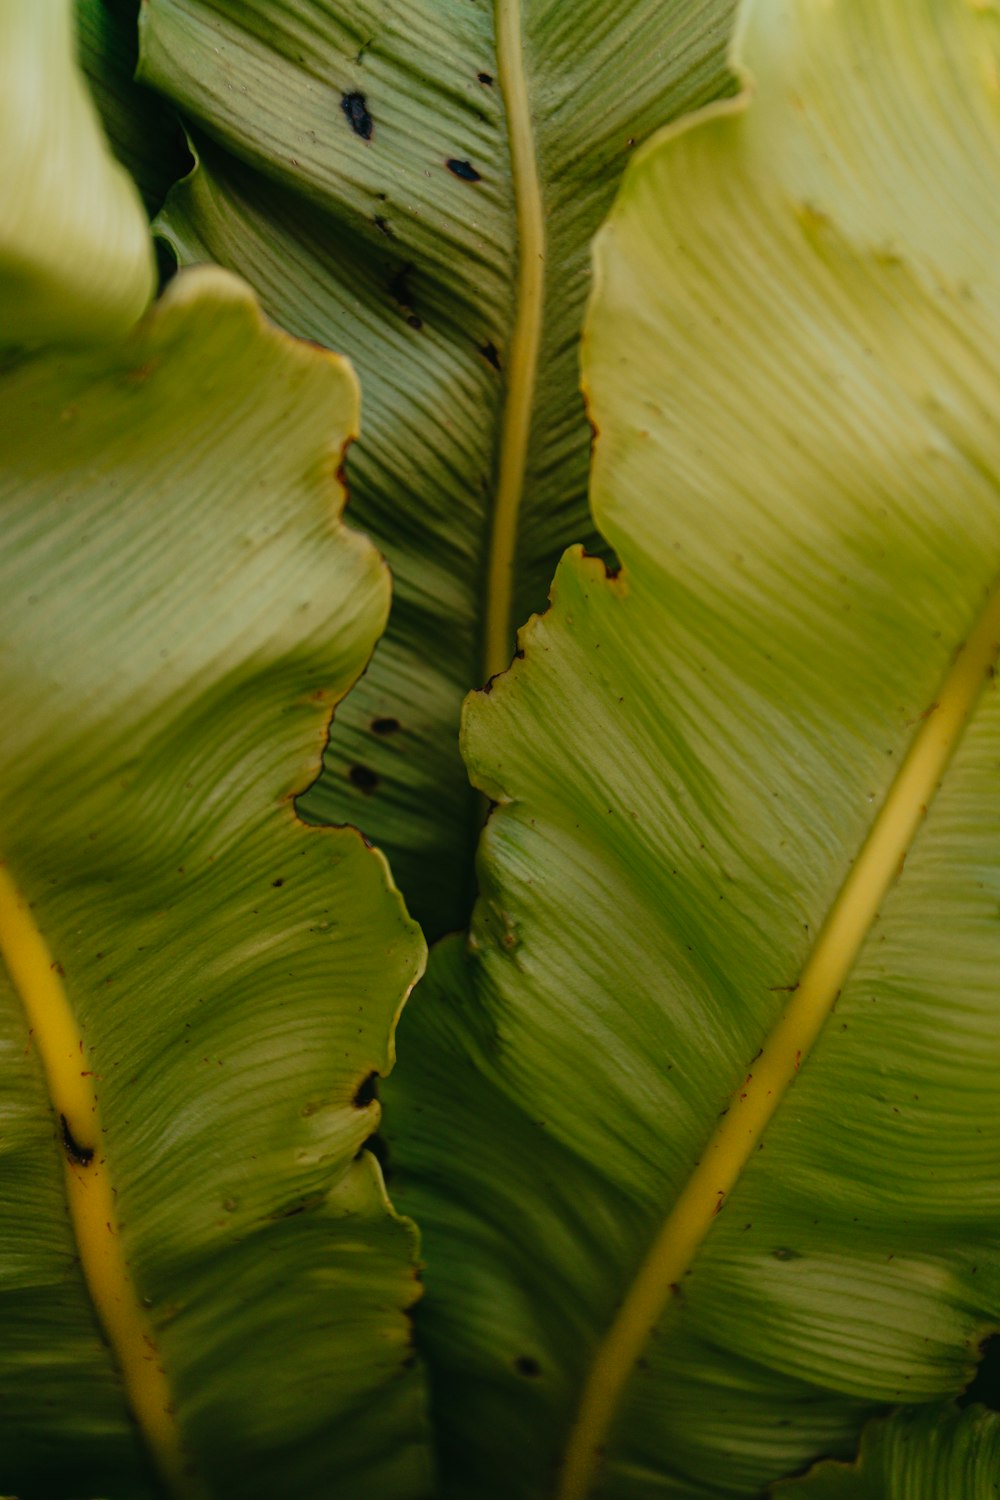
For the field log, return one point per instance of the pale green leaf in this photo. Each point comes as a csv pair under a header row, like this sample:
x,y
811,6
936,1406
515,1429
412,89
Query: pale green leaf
x,y
702,1128
459,300
142,128
76,260
915,1455
181,609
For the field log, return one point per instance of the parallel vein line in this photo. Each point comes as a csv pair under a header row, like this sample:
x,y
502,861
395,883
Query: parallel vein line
x,y
522,361
770,1074
93,1213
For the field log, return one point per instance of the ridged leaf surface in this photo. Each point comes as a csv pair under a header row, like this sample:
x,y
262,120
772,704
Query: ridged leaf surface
x,y
76,261
418,184
701,1127
203,1287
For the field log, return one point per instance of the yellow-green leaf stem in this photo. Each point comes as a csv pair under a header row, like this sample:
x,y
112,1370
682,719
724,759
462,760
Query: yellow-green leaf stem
x,y
771,1072
55,1034
522,366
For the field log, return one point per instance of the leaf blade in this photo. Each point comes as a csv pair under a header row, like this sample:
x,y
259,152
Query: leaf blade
x,y
75,257
688,761
417,272
177,581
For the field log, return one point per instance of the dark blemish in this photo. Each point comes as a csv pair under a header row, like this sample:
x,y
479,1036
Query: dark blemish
x,y
782,1253
356,110
486,78
277,883
402,293
385,726
463,169
382,225
489,353
80,1156
366,1091
528,1367
305,1205
399,286
409,1362
985,1384
364,778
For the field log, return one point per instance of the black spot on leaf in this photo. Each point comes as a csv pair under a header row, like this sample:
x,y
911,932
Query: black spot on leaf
x,y
463,169
489,353
528,1367
356,110
486,78
385,726
364,778
399,287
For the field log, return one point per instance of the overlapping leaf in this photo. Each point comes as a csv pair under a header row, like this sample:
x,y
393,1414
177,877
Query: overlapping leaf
x,y
75,257
180,610
710,770
917,1455
367,188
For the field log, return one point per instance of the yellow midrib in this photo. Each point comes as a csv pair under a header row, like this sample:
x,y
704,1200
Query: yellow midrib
x,y
522,358
56,1037
772,1071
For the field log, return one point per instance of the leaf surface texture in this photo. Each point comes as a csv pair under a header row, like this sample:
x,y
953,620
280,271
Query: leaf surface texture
x,y
76,261
916,1455
418,183
197,987
700,1127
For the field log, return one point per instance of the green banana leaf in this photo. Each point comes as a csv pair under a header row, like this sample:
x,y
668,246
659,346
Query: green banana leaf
x,y
143,129
419,184
198,989
916,1455
701,1126
76,262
